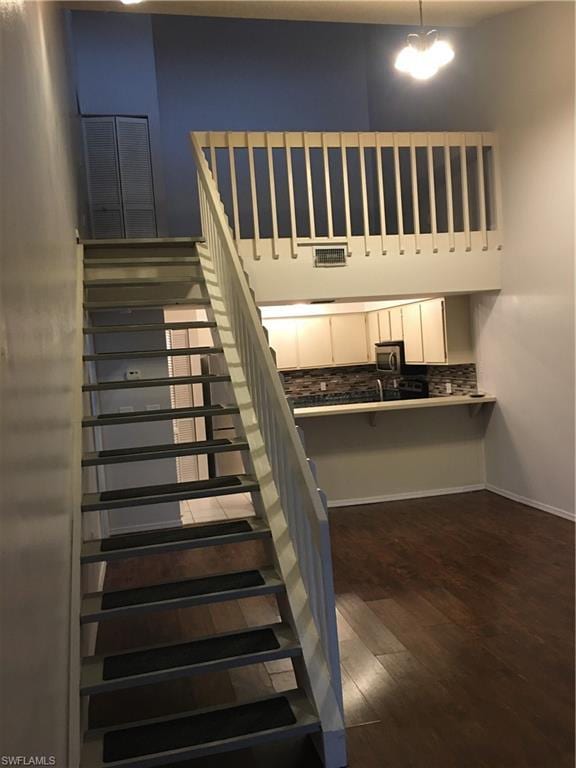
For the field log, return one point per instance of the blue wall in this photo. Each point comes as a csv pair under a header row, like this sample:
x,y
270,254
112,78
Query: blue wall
x,y
188,73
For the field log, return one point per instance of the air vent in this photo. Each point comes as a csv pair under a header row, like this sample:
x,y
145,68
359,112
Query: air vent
x,y
329,257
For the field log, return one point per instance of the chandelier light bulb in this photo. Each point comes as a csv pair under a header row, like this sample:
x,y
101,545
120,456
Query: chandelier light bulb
x,y
130,2
424,54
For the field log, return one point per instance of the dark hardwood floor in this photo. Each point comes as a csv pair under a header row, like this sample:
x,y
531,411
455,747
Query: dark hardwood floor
x,y
456,621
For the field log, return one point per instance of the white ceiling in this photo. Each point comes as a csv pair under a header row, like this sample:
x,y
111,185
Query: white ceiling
x,y
436,12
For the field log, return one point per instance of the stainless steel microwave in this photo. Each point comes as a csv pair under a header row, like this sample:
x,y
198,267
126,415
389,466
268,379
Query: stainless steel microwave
x,y
390,357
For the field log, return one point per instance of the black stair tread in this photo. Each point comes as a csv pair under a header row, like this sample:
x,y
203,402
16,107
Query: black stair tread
x,y
100,261
143,666
183,532
140,242
111,282
161,741
98,606
162,414
168,381
144,353
155,494
182,537
147,327
188,588
168,450
135,303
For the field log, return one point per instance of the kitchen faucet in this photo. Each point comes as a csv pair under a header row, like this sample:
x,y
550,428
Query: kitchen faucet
x,y
380,390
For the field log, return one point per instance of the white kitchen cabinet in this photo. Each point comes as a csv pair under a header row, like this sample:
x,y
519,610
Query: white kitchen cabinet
x,y
373,334
282,337
396,325
412,327
433,331
384,325
314,341
349,339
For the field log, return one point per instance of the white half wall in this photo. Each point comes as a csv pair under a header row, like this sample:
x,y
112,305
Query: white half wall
x,y
424,452
525,335
39,387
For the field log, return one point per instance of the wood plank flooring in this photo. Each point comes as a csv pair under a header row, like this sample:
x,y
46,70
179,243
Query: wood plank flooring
x,y
456,624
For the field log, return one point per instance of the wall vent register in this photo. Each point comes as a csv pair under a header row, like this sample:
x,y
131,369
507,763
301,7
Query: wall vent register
x,y
329,257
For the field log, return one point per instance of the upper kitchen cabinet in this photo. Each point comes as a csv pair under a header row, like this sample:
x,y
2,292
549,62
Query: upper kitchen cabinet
x,y
349,339
314,341
384,325
372,334
412,328
396,324
445,336
283,339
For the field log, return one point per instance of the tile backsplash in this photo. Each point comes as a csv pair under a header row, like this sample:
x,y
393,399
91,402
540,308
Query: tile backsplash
x,y
462,377
362,379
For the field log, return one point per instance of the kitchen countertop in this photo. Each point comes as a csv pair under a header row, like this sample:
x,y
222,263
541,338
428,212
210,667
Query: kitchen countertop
x,y
391,405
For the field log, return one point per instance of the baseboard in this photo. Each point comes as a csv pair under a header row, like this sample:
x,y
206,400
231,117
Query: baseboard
x,y
531,503
405,495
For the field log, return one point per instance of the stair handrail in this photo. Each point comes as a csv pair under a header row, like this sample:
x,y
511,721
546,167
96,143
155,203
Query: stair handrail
x,y
301,501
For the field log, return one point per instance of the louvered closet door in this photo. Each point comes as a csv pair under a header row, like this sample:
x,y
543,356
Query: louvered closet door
x,y
136,176
103,178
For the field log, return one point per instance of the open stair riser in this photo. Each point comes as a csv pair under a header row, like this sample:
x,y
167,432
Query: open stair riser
x,y
125,546
154,664
183,594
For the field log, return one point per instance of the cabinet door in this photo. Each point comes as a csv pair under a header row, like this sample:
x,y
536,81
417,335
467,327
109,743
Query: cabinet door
x,y
373,333
384,323
396,325
283,340
433,331
412,325
314,342
348,339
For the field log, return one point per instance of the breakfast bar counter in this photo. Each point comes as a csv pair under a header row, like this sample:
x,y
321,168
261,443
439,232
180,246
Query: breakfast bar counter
x,y
391,405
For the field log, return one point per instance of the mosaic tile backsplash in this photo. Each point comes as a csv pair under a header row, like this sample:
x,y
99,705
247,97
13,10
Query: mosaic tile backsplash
x,y
362,379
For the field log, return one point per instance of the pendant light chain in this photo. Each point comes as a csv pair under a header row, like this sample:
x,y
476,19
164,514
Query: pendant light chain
x,y
421,14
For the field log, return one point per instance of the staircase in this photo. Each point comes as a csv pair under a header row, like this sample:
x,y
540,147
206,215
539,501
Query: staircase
x,y
132,279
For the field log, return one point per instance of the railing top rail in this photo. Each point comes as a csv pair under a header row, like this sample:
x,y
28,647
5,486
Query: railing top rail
x,y
283,409
329,139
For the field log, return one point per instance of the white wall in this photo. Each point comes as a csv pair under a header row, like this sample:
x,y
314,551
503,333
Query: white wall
x,y
525,335
39,383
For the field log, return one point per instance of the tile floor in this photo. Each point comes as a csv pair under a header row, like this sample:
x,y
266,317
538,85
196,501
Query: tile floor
x,y
216,508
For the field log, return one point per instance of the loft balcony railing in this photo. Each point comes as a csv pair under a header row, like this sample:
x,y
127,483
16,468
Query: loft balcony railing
x,y
375,194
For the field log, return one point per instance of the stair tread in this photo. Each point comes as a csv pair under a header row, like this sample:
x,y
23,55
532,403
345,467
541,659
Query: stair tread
x,y
161,414
152,494
144,353
140,242
160,302
146,327
167,450
171,539
99,262
142,666
105,282
191,734
221,587
161,382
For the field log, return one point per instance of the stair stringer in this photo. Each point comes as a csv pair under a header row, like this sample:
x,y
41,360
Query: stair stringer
x,y
320,687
